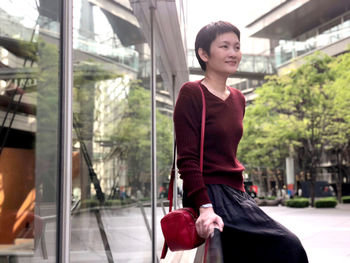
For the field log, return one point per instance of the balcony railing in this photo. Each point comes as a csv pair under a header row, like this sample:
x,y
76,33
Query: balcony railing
x,y
288,50
123,55
250,64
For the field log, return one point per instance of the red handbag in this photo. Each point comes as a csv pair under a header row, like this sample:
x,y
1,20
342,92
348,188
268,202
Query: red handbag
x,y
179,226
179,230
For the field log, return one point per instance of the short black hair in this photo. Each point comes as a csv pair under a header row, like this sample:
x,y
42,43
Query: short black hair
x,y
208,34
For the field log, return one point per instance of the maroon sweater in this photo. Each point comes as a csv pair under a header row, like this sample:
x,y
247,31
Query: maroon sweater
x,y
223,131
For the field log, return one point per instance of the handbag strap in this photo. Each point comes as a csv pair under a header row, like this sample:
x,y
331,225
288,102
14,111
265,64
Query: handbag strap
x,y
172,176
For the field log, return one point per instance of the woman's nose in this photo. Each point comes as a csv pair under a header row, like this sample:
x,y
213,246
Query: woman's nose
x,y
233,52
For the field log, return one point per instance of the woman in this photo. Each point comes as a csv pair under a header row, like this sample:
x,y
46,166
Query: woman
x,y
247,233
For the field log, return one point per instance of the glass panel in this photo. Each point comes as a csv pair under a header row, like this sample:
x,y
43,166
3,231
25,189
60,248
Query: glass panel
x,y
328,34
29,100
111,136
329,26
164,111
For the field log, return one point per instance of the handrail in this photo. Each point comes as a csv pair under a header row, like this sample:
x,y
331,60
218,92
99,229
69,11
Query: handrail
x,y
250,63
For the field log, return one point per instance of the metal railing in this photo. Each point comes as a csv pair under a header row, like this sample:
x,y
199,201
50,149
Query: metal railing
x,y
251,65
288,50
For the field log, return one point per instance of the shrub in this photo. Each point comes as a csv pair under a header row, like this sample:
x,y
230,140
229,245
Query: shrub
x,y
267,197
89,203
326,202
271,197
299,202
346,199
113,202
127,201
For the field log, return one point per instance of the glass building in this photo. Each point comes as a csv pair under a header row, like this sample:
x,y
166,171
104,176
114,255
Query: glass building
x,y
86,98
322,25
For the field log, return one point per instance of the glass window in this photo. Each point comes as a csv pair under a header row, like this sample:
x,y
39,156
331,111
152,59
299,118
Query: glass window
x,y
329,27
347,17
29,114
111,208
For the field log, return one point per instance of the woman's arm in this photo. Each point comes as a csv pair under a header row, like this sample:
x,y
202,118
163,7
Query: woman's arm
x,y
187,121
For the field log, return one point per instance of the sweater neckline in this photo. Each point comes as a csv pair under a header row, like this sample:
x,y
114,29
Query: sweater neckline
x,y
213,95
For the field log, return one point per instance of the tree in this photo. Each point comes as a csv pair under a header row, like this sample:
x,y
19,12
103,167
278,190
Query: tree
x,y
339,129
265,143
87,75
46,143
133,137
288,118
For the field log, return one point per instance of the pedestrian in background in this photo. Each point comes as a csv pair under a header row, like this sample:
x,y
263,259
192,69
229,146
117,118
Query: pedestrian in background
x,y
247,233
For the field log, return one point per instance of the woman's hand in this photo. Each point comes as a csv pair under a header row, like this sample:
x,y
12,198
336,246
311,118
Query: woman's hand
x,y
207,221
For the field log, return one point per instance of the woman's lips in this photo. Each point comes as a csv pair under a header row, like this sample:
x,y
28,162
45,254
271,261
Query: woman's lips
x,y
233,63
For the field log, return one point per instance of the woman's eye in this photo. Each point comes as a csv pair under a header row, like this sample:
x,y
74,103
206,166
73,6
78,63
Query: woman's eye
x,y
224,46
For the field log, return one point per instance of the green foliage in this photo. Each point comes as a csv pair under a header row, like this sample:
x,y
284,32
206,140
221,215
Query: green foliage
x,y
268,197
303,114
145,199
127,201
113,202
90,203
164,145
87,75
133,136
25,49
92,72
288,114
339,94
47,116
298,203
327,202
346,199
298,197
130,131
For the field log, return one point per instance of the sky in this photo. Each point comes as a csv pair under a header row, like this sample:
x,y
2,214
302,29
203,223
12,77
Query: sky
x,y
238,12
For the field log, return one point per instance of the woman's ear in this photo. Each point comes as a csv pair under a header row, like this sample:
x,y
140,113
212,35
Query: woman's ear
x,y
203,54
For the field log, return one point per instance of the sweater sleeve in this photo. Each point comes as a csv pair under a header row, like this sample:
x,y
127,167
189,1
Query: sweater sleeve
x,y
187,121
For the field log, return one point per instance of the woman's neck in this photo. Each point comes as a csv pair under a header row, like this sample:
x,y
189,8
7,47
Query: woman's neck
x,y
215,82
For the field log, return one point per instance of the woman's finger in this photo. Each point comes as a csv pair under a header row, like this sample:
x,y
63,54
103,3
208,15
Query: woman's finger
x,y
219,223
200,228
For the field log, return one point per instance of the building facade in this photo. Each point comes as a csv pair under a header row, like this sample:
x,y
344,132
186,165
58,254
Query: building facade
x,y
298,28
86,95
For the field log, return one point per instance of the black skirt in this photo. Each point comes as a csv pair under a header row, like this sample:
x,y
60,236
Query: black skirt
x,y
249,234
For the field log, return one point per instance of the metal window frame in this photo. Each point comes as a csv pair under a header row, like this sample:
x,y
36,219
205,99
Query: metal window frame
x,y
153,78
65,132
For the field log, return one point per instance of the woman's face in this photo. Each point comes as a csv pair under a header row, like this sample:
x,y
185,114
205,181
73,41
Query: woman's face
x,y
225,54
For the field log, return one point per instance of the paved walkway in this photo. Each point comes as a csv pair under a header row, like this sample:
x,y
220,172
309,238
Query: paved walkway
x,y
325,233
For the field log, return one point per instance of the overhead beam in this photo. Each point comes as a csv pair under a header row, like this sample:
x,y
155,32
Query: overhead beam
x,y
238,74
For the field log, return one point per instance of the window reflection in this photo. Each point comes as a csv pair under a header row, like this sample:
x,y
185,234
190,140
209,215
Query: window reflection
x,y
112,135
111,211
29,88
